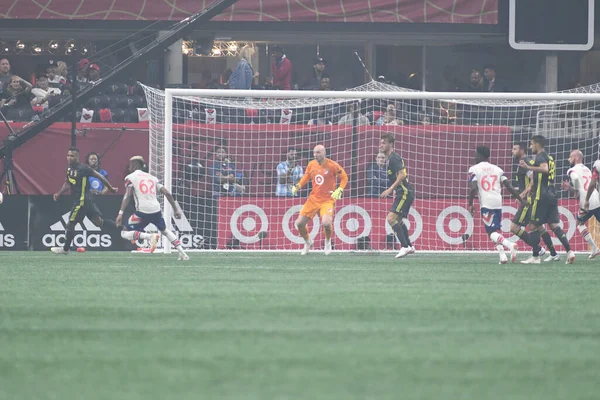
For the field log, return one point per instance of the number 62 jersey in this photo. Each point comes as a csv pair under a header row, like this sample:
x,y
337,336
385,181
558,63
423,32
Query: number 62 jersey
x,y
489,178
145,187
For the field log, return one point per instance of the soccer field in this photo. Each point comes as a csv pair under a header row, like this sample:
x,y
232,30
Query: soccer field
x,y
280,326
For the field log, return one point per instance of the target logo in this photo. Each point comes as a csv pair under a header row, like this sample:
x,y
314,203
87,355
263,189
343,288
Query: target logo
x,y
453,224
508,214
352,222
414,220
288,220
247,222
319,179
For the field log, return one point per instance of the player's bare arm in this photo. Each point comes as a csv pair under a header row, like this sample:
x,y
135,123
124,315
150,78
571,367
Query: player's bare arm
x,y
543,167
124,203
515,193
400,176
104,181
472,193
62,190
172,202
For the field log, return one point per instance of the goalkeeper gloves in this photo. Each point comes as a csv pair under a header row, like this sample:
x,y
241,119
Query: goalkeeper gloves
x,y
337,193
294,190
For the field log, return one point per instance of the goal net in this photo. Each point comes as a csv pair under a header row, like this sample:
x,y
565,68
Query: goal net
x,y
231,157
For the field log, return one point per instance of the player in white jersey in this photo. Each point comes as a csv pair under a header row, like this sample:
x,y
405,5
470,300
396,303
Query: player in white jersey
x,y
486,180
581,182
144,187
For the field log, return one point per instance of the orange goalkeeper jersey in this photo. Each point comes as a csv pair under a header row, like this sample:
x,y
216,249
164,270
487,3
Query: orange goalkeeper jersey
x,y
324,178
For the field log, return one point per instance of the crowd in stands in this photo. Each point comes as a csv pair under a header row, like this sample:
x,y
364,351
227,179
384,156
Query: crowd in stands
x,y
21,100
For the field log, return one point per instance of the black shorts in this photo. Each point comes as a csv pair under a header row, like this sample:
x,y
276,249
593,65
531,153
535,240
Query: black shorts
x,y
81,210
544,212
584,216
522,215
405,195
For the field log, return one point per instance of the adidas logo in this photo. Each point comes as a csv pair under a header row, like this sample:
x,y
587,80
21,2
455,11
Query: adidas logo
x,y
83,239
184,232
6,239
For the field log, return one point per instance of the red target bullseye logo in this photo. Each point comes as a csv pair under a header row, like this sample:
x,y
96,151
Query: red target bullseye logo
x,y
454,224
247,221
319,179
351,223
288,220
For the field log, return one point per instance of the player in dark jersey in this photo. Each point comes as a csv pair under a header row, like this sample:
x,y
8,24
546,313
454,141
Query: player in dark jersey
x,y
544,208
83,206
521,219
405,194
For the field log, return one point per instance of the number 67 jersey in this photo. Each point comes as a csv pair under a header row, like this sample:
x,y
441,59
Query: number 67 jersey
x,y
145,187
489,178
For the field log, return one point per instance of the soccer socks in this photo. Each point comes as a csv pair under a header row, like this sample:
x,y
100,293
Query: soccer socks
x,y
406,235
501,251
135,235
523,235
587,237
535,242
70,234
560,234
500,240
174,241
327,230
548,242
399,231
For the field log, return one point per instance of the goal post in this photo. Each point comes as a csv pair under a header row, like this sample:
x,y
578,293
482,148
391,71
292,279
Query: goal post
x,y
231,156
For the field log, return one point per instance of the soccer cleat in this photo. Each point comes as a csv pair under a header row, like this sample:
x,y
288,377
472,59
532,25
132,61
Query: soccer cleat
x,y
542,251
153,241
594,253
503,259
532,260
552,258
327,248
411,250
183,257
403,252
306,248
59,250
513,253
570,257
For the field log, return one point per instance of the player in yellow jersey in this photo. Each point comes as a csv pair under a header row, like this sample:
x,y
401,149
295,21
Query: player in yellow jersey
x,y
323,173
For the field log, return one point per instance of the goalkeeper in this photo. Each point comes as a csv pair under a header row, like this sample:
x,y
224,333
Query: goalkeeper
x,y
323,173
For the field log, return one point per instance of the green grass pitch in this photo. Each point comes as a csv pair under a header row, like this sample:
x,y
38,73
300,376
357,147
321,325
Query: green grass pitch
x,y
280,326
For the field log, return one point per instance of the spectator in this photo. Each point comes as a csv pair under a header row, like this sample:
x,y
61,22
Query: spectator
x,y
93,73
281,68
244,75
318,72
96,186
42,92
493,84
289,173
353,116
226,180
54,78
15,100
377,179
322,119
5,74
389,118
475,81
82,70
325,83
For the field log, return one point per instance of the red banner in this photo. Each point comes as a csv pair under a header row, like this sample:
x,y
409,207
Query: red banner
x,y
433,224
415,11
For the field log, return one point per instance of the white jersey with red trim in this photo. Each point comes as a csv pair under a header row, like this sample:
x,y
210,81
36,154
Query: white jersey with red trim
x,y
580,177
145,187
489,178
